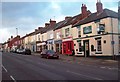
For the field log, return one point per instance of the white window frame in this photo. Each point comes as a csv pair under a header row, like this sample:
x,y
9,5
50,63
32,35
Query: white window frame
x,y
99,46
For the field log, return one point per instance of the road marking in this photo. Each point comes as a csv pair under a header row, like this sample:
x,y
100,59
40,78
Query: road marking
x,y
112,68
83,75
103,67
46,65
12,78
4,68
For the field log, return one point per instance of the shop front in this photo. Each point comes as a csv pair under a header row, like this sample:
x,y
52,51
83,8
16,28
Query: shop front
x,y
67,46
58,46
41,46
50,44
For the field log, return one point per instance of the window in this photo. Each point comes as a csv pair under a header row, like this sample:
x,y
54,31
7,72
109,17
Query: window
x,y
79,32
87,30
42,37
92,47
101,28
58,35
67,32
51,36
80,47
99,48
38,37
119,45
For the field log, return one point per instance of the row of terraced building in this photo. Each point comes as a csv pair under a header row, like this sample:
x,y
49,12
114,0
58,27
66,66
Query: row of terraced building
x,y
89,34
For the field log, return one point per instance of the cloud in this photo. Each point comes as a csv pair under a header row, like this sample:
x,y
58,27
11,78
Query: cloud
x,y
57,0
26,16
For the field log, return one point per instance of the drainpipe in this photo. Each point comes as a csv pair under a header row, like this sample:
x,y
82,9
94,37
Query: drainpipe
x,y
112,42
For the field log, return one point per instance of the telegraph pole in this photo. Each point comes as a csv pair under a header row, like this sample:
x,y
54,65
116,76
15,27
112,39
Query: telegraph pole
x,y
16,31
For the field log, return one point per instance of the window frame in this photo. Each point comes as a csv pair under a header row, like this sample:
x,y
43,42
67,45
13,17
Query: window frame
x,y
99,47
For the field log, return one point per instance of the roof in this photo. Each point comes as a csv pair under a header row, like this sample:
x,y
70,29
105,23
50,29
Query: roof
x,y
95,16
70,21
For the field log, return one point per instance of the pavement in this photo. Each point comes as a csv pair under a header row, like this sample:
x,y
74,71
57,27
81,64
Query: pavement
x,y
101,61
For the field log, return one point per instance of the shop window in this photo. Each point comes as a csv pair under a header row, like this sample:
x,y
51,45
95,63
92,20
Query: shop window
x,y
99,47
92,47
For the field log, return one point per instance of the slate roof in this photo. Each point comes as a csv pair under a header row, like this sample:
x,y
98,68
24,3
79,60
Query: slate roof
x,y
70,21
95,16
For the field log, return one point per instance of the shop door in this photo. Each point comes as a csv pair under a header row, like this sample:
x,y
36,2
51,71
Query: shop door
x,y
86,48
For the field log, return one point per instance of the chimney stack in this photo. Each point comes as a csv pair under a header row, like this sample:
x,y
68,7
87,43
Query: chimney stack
x,y
84,11
11,37
35,30
99,6
47,24
67,17
52,22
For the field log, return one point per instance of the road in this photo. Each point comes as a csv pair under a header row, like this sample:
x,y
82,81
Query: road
x,y
31,67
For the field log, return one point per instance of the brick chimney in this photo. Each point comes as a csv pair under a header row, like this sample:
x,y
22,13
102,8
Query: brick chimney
x,y
84,11
39,28
99,6
47,24
67,17
35,29
52,22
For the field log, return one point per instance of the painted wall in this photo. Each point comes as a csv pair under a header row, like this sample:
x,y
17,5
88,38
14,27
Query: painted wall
x,y
106,47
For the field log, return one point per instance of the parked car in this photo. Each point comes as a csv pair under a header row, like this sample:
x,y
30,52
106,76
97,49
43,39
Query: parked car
x,y
20,51
24,51
49,54
27,52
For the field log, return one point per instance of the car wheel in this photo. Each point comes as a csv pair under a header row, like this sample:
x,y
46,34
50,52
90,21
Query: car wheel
x,y
47,57
41,56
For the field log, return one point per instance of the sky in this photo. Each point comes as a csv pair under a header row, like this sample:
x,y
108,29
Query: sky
x,y
28,15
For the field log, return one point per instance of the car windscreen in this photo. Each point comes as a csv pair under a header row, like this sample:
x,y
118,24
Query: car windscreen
x,y
51,52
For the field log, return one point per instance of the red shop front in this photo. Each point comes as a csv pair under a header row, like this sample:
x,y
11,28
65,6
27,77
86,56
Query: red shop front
x,y
67,46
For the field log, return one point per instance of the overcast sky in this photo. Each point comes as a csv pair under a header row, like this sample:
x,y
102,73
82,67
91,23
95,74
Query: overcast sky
x,y
27,16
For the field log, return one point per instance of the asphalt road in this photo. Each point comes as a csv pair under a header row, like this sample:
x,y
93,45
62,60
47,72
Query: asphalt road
x,y
30,67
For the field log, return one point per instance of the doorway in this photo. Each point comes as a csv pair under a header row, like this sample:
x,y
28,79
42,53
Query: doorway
x,y
86,48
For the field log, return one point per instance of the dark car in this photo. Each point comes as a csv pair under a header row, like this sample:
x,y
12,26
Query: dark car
x,y
49,54
27,52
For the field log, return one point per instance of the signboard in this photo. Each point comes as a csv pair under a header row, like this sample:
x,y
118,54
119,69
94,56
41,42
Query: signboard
x,y
112,42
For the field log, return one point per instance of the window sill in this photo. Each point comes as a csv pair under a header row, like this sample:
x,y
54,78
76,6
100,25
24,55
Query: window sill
x,y
79,53
98,52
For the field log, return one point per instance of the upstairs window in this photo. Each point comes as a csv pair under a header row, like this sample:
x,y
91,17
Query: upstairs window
x,y
101,28
67,32
87,30
38,37
58,35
